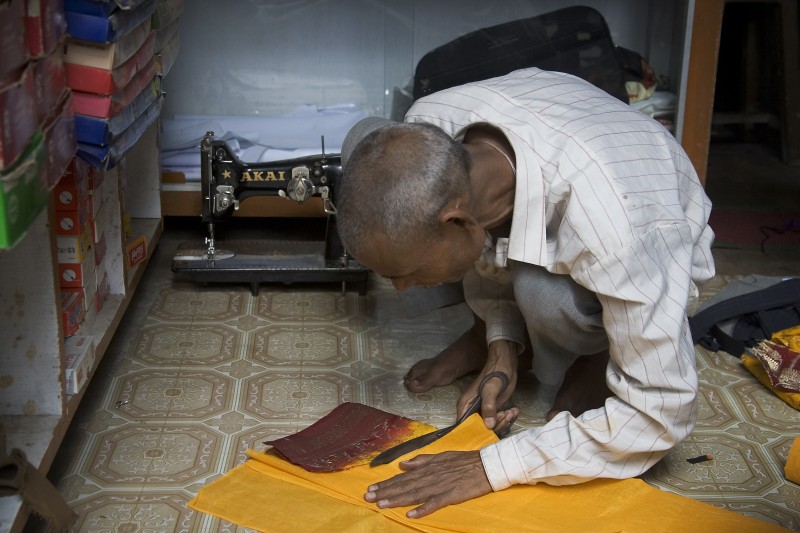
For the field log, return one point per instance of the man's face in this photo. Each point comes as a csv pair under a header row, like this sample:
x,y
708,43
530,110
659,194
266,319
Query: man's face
x,y
428,264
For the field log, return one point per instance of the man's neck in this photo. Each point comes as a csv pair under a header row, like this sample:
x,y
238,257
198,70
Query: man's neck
x,y
492,176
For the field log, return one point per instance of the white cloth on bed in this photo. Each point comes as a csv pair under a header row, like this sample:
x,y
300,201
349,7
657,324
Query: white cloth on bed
x,y
257,138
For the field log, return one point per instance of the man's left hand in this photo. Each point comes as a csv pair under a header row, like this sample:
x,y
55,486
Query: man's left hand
x,y
435,481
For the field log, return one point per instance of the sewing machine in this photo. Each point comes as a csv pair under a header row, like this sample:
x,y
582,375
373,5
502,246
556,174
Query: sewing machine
x,y
226,181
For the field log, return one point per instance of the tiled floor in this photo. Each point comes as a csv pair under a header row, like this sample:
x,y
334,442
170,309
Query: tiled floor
x,y
197,374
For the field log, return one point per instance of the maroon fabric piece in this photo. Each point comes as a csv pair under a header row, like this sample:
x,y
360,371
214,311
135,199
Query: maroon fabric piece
x,y
350,435
781,363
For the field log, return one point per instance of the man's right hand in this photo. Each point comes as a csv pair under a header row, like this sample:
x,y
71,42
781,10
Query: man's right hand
x,y
502,357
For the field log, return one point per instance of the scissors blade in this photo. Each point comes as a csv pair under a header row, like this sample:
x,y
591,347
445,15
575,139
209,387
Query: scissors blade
x,y
387,456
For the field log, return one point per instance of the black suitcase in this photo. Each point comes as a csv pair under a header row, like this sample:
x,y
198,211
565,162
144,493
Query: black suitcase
x,y
575,40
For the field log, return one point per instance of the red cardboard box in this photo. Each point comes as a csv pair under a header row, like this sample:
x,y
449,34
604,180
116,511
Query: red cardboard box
x,y
44,25
19,118
72,312
49,82
77,274
59,139
12,37
72,189
88,295
74,222
105,81
104,106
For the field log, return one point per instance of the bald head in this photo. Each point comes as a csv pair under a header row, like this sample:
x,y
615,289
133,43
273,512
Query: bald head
x,y
396,181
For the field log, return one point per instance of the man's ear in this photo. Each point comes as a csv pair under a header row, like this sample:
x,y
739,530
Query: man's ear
x,y
453,216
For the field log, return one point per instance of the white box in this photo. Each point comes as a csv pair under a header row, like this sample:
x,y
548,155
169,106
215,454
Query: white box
x,y
78,361
74,248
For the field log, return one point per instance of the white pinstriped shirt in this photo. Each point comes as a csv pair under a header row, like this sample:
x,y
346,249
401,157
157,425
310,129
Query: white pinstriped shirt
x,y
605,195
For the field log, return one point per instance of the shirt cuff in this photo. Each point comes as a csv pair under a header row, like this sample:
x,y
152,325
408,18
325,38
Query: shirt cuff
x,y
502,465
506,330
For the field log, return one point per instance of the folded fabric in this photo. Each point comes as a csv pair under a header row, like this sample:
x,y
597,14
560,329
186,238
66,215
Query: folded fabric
x,y
788,337
269,494
781,363
350,435
792,468
754,366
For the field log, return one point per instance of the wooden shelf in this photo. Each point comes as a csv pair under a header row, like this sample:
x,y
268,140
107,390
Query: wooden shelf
x,y
35,410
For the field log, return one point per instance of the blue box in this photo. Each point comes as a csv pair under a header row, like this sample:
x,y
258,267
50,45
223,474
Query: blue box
x,y
108,156
107,28
104,131
100,8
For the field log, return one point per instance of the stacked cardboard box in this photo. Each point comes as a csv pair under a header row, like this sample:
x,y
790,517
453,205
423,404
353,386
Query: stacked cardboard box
x,y
75,244
80,236
81,227
37,138
111,69
165,25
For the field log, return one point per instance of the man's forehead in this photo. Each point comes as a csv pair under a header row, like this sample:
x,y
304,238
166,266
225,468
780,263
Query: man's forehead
x,y
387,257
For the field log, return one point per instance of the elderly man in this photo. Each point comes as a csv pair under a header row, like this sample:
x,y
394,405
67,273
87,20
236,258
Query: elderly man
x,y
579,229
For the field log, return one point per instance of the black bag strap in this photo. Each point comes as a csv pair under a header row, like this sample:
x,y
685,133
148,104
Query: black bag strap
x,y
719,340
781,294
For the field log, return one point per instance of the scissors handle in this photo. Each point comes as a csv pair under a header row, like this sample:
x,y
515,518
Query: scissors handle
x,y
476,403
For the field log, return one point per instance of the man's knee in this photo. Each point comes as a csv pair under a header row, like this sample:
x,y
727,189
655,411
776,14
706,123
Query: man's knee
x,y
557,308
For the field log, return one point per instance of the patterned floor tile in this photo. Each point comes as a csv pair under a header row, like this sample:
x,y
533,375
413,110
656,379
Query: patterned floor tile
x,y
301,346
299,305
199,304
298,395
174,393
206,373
136,513
714,410
176,344
737,467
158,456
764,409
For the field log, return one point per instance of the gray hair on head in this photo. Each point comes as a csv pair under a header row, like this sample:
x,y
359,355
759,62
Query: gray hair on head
x,y
396,179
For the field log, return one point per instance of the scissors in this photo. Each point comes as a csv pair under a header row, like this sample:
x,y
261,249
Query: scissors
x,y
387,456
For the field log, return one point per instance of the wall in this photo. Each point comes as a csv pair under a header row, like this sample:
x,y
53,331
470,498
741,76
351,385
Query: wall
x,y
262,57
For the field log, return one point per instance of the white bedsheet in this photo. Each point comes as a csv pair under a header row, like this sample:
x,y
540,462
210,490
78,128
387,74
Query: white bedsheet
x,y
257,138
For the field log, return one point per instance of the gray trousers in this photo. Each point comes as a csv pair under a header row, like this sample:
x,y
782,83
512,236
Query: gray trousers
x,y
564,320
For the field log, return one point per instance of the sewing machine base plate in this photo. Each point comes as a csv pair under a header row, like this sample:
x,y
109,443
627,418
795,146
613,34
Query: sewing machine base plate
x,y
266,261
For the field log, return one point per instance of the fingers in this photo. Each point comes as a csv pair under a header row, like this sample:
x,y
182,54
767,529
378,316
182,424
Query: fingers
x,y
489,394
505,420
433,482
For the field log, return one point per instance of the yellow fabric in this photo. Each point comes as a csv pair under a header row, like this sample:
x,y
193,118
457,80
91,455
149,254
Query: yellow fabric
x,y
638,92
269,494
792,468
788,337
753,365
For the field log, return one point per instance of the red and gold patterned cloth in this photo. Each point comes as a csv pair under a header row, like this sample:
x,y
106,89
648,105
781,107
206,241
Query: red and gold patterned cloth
x,y
350,435
781,364
776,364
